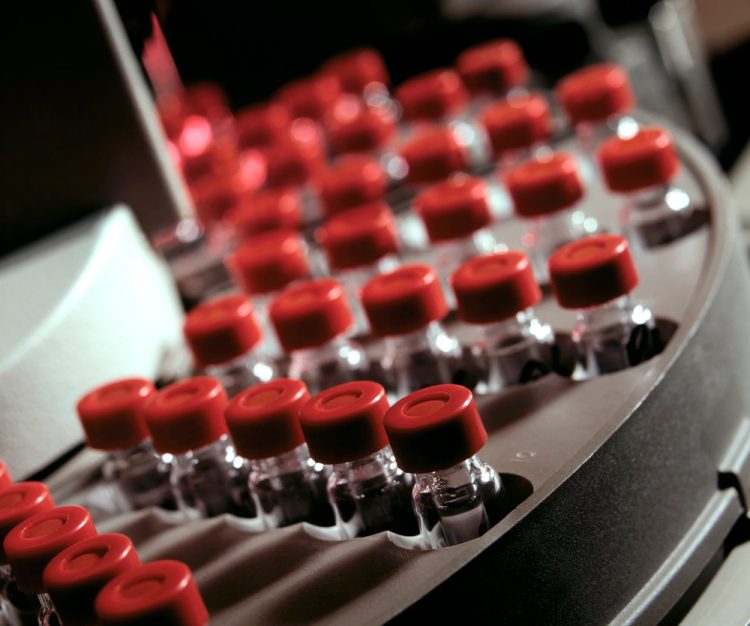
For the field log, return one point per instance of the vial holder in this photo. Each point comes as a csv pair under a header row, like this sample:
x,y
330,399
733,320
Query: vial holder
x,y
582,462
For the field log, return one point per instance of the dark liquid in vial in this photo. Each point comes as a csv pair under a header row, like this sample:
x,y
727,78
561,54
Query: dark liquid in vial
x,y
616,348
295,497
146,483
209,488
424,368
529,360
243,504
331,373
661,232
381,505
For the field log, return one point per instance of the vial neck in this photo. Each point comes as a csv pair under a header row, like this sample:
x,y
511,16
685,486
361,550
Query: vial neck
x,y
330,351
425,338
453,477
124,454
519,324
609,313
552,223
293,461
650,198
381,464
219,450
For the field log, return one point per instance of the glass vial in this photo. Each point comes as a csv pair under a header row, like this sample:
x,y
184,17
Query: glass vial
x,y
286,484
436,434
135,474
369,493
594,277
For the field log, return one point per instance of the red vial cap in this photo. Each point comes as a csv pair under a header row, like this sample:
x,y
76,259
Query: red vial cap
x,y
32,544
495,287
432,155
216,196
269,262
204,157
355,179
5,479
291,161
310,314
404,300
345,423
18,502
435,428
517,123
112,415
545,185
432,95
265,211
594,93
261,125
592,271
187,415
359,237
455,208
264,420
160,593
207,99
221,330
76,575
494,66
353,126
311,97
647,159
358,69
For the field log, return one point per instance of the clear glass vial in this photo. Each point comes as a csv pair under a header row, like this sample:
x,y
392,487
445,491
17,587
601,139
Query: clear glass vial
x,y
498,291
224,336
546,191
594,277
186,420
642,167
135,474
286,484
405,307
368,492
312,320
436,434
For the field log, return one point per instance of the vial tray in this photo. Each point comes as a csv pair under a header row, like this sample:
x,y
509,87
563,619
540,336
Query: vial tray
x,y
626,485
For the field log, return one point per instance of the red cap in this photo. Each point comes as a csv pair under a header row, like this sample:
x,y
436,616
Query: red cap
x,y
435,428
432,95
187,415
5,479
291,161
592,271
310,314
264,420
269,262
345,423
545,185
357,69
32,544
355,179
267,210
647,159
355,127
404,300
594,93
455,208
494,287
216,196
203,156
261,125
207,99
112,415
517,122
311,97
18,502
221,329
76,575
360,236
493,66
432,155
160,593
